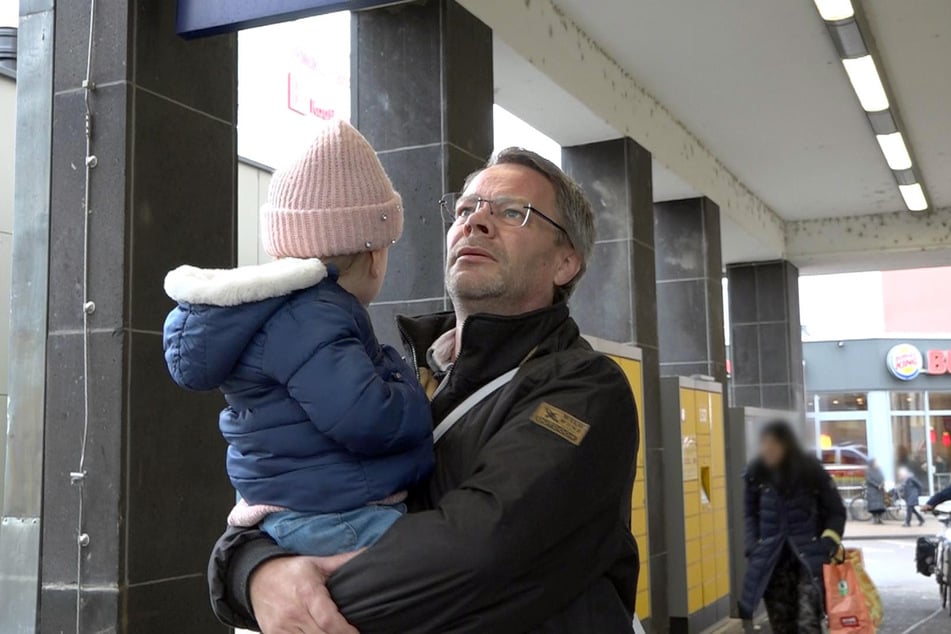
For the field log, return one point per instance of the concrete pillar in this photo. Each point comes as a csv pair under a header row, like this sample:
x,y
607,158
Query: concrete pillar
x,y
156,495
617,300
689,288
8,92
422,94
765,335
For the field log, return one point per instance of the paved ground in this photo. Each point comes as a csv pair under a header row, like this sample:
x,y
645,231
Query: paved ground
x,y
890,529
911,602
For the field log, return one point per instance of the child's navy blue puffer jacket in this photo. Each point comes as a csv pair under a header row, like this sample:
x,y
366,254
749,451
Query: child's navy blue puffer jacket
x,y
320,417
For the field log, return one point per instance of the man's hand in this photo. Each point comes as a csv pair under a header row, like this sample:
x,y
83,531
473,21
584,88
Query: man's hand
x,y
926,508
289,595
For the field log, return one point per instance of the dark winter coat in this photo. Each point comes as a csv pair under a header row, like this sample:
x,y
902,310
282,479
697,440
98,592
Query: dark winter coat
x,y
911,490
875,490
524,526
320,417
794,514
940,497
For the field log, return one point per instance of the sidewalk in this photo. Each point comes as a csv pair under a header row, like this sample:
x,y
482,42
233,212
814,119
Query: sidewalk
x,y
890,529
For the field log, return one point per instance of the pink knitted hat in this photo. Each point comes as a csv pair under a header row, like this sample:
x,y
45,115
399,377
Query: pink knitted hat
x,y
333,200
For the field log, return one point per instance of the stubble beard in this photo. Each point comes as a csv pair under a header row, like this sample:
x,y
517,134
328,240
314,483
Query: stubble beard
x,y
487,289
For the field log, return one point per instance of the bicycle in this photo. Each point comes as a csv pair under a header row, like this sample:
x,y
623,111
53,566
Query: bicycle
x,y
933,556
858,507
943,559
894,507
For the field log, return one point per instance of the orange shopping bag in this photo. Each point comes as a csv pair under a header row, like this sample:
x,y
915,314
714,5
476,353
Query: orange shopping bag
x,y
852,602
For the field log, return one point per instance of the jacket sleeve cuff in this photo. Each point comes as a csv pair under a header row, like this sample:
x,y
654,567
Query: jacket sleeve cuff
x,y
236,556
831,534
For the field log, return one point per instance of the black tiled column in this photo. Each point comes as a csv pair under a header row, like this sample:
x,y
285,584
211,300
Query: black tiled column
x,y
689,288
766,335
422,95
163,193
617,298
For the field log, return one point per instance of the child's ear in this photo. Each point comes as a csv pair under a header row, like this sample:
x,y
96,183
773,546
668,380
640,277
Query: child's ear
x,y
377,263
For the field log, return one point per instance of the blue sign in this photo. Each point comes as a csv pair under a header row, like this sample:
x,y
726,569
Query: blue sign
x,y
198,18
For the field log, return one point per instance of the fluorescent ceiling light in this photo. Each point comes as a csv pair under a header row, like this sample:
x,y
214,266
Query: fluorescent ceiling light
x,y
895,151
866,83
832,10
914,197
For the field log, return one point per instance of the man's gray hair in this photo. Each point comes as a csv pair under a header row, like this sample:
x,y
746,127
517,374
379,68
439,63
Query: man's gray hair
x,y
577,216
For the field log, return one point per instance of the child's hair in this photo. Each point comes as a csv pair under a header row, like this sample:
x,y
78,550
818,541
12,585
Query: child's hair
x,y
344,262
334,200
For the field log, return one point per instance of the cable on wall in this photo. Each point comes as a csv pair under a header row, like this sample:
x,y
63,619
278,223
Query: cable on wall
x,y
78,478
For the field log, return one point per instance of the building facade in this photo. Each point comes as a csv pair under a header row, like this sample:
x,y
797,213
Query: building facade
x,y
888,399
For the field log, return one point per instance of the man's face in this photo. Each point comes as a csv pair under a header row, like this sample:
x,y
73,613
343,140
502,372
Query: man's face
x,y
513,267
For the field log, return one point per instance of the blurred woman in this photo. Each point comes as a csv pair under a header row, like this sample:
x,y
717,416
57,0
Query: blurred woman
x,y
875,491
794,522
911,489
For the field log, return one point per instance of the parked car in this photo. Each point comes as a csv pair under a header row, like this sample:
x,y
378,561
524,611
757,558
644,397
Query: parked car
x,y
855,455
847,465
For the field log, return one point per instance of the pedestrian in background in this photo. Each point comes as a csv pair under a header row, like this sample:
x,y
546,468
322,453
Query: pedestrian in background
x,y
875,491
794,521
911,491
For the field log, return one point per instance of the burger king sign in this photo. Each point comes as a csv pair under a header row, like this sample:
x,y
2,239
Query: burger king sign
x,y
904,361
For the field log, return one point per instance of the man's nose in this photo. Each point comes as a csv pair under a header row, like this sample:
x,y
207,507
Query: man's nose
x,y
479,221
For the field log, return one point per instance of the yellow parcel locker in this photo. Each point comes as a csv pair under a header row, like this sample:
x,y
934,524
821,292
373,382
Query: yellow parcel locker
x,y
694,489
629,359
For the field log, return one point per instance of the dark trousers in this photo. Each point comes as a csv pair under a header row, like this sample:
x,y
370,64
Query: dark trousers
x,y
793,600
912,509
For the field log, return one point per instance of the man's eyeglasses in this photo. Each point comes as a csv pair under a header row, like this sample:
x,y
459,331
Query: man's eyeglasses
x,y
511,212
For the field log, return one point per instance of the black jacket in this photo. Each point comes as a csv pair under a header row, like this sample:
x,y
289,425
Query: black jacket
x,y
940,497
520,529
794,513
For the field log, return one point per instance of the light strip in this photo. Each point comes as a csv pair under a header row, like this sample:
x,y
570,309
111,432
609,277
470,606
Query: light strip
x,y
914,197
866,83
845,29
895,151
833,10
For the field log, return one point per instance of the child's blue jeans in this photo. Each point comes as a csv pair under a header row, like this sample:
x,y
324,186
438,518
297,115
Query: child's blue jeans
x,y
325,534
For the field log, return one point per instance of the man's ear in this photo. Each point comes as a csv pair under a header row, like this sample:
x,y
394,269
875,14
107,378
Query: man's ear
x,y
568,268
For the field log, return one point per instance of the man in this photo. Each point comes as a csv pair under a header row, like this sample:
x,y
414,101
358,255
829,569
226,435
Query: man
x,y
524,524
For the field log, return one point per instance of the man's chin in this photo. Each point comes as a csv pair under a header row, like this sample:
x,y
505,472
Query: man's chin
x,y
469,286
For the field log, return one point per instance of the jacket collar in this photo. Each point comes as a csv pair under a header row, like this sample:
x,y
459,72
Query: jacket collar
x,y
491,344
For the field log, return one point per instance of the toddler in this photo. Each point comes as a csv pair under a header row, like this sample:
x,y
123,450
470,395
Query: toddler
x,y
326,428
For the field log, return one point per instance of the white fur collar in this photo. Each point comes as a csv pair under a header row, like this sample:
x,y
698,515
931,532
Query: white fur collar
x,y
230,287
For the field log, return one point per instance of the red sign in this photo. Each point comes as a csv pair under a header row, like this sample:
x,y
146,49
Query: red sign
x,y
938,361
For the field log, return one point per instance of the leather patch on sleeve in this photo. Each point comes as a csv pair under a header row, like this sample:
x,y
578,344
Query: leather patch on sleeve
x,y
561,423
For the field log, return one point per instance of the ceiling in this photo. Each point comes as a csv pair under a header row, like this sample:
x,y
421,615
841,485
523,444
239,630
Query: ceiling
x,y
528,93
760,84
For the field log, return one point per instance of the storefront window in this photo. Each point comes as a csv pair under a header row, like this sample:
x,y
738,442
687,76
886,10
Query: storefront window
x,y
940,436
910,440
844,442
905,401
939,401
847,402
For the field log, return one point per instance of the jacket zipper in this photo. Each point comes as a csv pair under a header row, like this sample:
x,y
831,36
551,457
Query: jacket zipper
x,y
407,342
445,379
